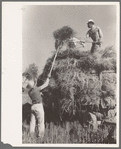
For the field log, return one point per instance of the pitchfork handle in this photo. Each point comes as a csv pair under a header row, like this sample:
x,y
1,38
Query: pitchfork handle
x,y
53,63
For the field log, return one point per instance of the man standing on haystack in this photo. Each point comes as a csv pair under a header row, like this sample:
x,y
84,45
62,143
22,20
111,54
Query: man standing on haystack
x,y
96,35
37,111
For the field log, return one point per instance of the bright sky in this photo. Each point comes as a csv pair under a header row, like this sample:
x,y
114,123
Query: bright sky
x,y
39,22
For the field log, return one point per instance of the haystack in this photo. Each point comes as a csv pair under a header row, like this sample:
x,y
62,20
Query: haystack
x,y
72,83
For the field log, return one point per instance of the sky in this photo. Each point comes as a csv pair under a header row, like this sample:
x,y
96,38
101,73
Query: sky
x,y
40,21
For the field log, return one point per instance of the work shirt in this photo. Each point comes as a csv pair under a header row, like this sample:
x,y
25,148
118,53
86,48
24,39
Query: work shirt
x,y
35,96
95,33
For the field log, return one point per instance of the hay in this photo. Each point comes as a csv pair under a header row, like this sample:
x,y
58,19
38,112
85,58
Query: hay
x,y
71,78
63,33
105,59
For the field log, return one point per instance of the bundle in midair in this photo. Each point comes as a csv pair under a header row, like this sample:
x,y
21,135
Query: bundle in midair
x,y
62,35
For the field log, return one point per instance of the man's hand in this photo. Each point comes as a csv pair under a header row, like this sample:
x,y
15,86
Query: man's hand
x,y
47,81
49,76
97,41
82,42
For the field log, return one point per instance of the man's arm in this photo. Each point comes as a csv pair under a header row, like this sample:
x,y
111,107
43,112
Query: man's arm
x,y
43,86
87,34
100,34
75,40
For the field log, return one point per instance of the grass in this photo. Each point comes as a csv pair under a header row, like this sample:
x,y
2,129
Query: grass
x,y
68,132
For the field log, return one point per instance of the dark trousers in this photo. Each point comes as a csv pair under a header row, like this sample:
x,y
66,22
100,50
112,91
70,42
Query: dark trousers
x,y
95,47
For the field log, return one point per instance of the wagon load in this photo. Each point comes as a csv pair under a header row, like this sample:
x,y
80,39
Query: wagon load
x,y
72,83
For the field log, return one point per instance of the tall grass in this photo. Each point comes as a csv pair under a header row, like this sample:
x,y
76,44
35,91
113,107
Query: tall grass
x,y
69,132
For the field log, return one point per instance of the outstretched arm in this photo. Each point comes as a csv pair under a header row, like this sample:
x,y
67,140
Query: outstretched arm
x,y
43,86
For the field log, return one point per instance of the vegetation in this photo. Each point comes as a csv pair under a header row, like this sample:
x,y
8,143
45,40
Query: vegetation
x,y
63,33
69,132
31,72
72,79
66,132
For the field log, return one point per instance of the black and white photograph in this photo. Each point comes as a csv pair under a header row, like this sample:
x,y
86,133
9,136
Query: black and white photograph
x,y
69,80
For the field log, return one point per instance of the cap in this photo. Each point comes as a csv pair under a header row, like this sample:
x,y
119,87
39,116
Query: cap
x,y
89,21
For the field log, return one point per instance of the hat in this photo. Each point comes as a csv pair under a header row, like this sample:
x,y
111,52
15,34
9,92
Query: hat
x,y
90,21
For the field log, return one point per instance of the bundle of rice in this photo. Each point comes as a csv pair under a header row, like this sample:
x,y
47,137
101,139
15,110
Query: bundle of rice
x,y
63,36
63,33
71,78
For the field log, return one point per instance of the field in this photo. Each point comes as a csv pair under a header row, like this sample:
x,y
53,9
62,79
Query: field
x,y
68,132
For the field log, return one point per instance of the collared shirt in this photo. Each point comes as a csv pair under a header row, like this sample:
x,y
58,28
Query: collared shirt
x,y
35,96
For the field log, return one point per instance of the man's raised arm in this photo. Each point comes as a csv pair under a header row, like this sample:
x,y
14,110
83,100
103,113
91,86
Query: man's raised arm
x,y
44,85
